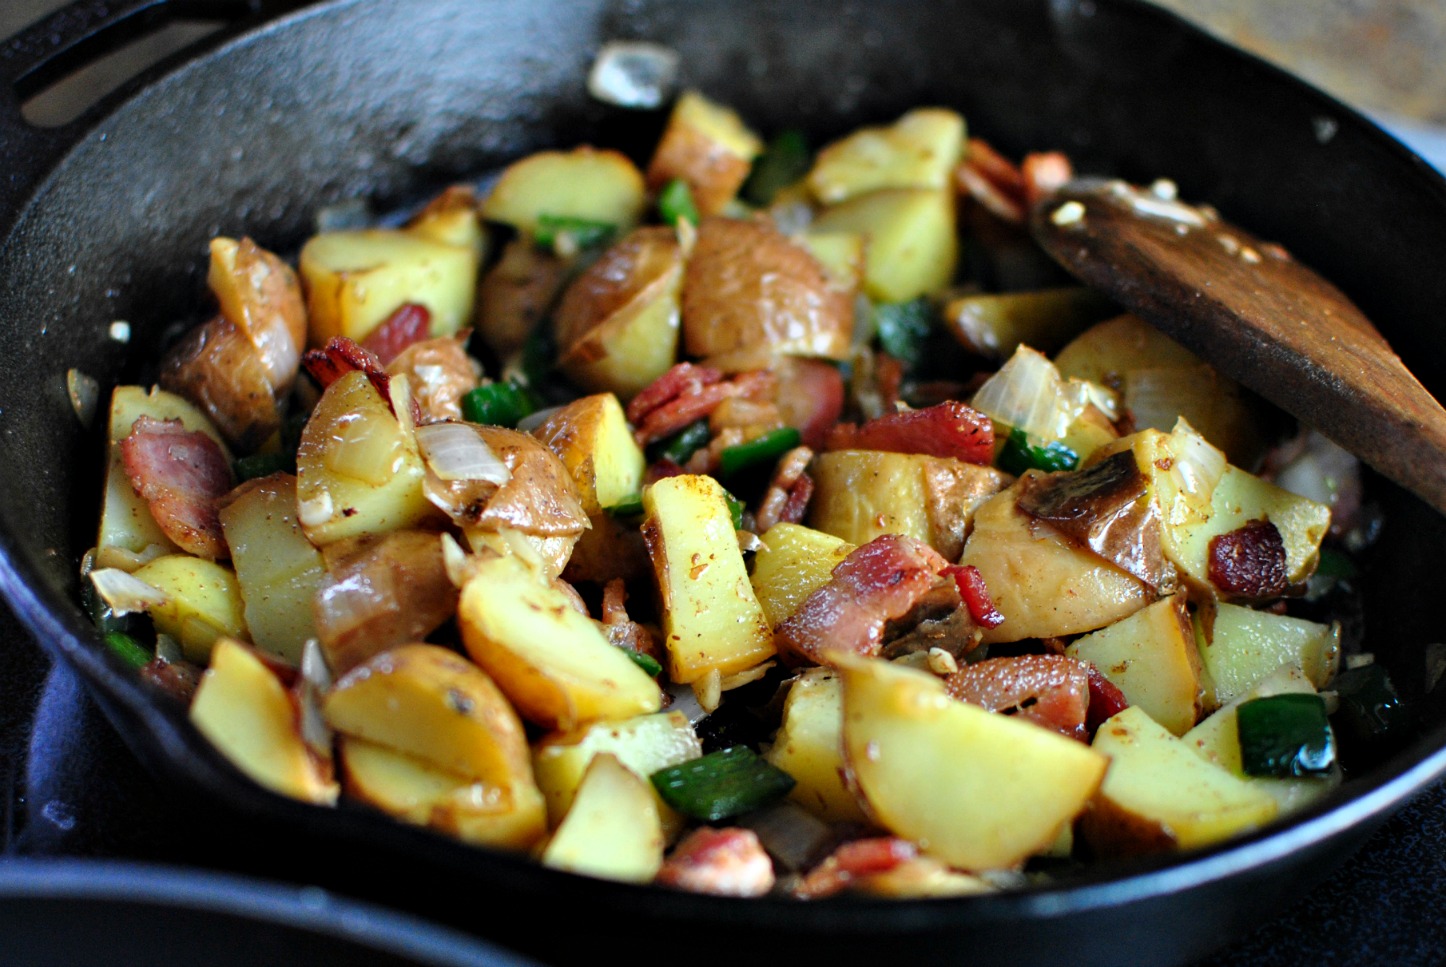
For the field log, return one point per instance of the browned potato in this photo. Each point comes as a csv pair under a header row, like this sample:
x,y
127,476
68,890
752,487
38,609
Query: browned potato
x,y
748,288
439,373
259,294
617,324
516,293
541,498
453,218
709,147
216,367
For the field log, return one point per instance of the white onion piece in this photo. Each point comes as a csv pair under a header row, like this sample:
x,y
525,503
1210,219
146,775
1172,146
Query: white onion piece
x,y
1028,394
454,451
1198,464
125,593
791,834
633,74
685,700
316,680
535,419
169,650
1325,472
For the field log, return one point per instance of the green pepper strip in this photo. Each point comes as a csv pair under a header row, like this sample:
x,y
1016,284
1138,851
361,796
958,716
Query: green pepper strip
x,y
735,508
904,328
1285,736
647,663
683,444
1019,455
629,507
580,232
722,784
127,649
498,404
259,465
769,446
1370,709
782,163
675,202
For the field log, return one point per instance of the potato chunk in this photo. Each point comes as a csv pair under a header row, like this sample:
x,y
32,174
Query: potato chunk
x,y
585,183
809,747
793,562
919,150
709,147
611,830
912,244
203,602
1244,646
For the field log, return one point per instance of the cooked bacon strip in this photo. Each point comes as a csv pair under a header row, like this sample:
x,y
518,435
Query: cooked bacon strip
x,y
341,356
687,393
622,630
876,583
851,861
723,862
951,429
411,323
992,180
178,679
788,492
1249,561
681,379
1106,700
1049,690
975,594
180,474
1045,172
809,396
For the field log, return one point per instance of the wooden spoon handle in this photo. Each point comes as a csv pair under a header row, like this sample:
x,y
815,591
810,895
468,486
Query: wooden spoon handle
x,y
1252,311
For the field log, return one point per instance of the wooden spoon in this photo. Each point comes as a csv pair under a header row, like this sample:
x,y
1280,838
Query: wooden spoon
x,y
1256,314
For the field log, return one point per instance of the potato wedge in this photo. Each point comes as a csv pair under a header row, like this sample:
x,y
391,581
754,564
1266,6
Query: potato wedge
x,y
793,562
617,323
203,602
611,830
1245,645
1151,657
709,147
242,708
711,620
912,244
592,438
452,218
586,183
277,568
749,288
511,818
261,296
976,789
431,703
809,747
919,150
861,494
553,662
516,293
356,279
1159,795
1043,583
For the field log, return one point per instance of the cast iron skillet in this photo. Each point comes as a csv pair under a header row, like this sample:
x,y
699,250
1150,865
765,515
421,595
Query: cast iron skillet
x,y
108,219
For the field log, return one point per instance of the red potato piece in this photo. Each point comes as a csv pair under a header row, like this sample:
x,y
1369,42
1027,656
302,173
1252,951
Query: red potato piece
x,y
722,862
810,397
219,369
440,373
951,429
1049,690
877,583
180,474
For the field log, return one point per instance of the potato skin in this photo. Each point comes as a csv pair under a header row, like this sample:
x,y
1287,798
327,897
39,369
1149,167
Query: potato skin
x,y
748,287
625,272
219,369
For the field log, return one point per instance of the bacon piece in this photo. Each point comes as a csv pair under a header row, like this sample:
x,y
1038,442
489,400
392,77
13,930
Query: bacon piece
x,y
622,630
679,380
992,180
788,492
341,356
1048,690
180,474
810,397
1249,561
722,862
876,583
1106,700
852,861
687,393
1045,172
975,594
178,679
411,323
950,429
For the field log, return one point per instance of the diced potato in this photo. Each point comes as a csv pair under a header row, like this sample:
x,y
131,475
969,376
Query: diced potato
x,y
592,438
644,744
841,254
912,245
553,662
711,620
709,147
277,568
1043,583
585,183
1159,795
452,218
356,279
976,789
1162,381
203,602
612,830
1218,740
861,494
1245,645
809,747
260,295
431,703
995,324
247,714
512,818
516,293
1150,656
129,535
617,324
919,150
922,876
793,562
749,292
357,471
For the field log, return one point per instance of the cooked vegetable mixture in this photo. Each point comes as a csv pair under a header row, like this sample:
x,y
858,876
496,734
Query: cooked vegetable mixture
x,y
754,522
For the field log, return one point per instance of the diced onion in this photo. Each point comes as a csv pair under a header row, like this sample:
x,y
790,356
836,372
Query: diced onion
x,y
709,690
316,680
633,74
1324,472
457,562
454,451
791,834
1198,465
739,679
1028,394
125,593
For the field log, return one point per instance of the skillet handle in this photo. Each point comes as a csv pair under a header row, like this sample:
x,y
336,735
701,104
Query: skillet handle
x,y
69,39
